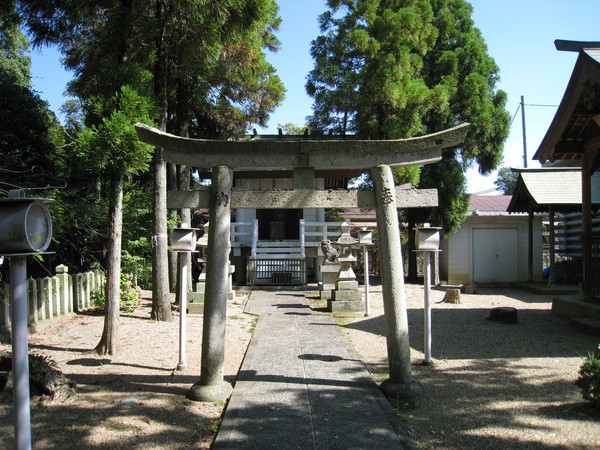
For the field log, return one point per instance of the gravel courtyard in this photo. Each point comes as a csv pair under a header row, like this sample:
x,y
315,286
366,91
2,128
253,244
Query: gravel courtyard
x,y
492,384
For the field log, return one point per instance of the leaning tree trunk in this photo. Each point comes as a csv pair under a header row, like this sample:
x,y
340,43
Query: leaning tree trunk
x,y
109,342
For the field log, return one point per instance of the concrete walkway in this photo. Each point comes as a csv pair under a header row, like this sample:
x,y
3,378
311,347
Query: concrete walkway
x,y
302,386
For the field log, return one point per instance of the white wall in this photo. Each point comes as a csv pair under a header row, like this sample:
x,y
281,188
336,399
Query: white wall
x,y
456,259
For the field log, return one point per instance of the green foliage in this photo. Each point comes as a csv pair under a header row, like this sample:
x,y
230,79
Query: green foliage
x,y
130,294
506,181
110,142
387,70
40,365
129,298
407,175
292,128
98,298
29,131
589,378
334,215
137,248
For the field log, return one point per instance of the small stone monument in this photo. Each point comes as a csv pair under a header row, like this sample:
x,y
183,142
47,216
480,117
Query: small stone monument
x,y
196,298
329,269
345,297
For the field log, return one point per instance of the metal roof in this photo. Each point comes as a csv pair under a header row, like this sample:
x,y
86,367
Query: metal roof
x,y
489,203
538,189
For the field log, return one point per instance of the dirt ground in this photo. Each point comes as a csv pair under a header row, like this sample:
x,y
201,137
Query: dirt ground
x,y
492,384
137,399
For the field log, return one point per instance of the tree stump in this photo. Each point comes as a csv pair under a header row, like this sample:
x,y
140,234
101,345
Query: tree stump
x,y
504,314
470,288
46,381
452,296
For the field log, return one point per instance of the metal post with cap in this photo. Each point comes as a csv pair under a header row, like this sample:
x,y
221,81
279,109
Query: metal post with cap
x,y
427,242
25,229
365,238
183,241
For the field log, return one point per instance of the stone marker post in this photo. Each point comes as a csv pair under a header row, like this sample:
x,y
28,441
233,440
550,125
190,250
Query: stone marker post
x,y
212,387
401,382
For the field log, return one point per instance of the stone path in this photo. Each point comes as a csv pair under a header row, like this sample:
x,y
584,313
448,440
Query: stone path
x,y
302,386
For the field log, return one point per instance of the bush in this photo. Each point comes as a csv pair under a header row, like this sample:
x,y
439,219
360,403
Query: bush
x,y
589,378
130,294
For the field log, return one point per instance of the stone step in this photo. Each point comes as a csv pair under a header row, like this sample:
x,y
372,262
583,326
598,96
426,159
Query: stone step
x,y
586,325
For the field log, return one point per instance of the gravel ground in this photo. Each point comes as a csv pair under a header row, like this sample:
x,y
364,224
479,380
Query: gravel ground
x,y
492,384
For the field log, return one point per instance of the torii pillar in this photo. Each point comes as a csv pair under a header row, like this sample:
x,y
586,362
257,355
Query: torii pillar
x,y
401,383
301,154
212,387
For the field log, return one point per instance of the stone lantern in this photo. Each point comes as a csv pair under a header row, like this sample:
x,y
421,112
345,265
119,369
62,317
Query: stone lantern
x,y
345,297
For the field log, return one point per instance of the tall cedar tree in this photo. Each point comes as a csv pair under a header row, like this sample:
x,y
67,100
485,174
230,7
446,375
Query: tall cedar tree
x,y
389,69
28,130
184,52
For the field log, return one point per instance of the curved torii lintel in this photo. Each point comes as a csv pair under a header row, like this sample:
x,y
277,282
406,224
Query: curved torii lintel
x,y
288,154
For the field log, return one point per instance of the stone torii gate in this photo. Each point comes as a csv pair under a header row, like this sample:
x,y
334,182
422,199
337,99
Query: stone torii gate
x,y
303,155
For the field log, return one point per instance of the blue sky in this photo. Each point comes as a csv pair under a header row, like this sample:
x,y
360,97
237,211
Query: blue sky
x,y
519,34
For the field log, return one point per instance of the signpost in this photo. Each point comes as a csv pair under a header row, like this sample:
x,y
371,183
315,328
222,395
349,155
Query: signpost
x,y
25,229
183,241
428,242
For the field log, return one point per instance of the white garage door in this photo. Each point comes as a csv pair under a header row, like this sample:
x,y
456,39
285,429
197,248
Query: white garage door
x,y
495,255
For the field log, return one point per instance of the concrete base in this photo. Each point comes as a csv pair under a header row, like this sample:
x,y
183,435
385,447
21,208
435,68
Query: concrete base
x,y
326,294
347,285
195,303
588,326
340,306
213,393
572,307
329,274
414,389
346,296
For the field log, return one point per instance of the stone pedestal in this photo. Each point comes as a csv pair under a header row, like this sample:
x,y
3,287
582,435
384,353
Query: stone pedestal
x,y
329,272
346,296
196,299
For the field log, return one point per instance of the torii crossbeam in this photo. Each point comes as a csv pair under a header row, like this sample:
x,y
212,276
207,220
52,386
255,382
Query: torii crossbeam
x,y
302,154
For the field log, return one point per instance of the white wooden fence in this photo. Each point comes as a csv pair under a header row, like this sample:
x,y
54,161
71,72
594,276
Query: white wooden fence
x,y
56,296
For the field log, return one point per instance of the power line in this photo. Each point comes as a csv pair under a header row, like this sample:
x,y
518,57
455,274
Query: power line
x,y
515,114
545,106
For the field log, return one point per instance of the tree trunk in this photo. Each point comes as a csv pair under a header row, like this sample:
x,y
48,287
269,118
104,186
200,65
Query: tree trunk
x,y
184,177
172,185
109,342
161,306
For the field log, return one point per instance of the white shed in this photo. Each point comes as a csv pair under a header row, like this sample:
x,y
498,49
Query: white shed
x,y
491,246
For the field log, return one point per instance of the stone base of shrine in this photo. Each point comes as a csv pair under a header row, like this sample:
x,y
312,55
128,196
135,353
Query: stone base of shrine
x,y
345,301
195,303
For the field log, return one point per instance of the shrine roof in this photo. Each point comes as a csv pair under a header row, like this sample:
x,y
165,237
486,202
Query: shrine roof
x,y
559,188
489,203
575,122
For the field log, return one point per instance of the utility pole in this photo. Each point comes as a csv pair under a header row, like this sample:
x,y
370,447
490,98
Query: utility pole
x,y
524,132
